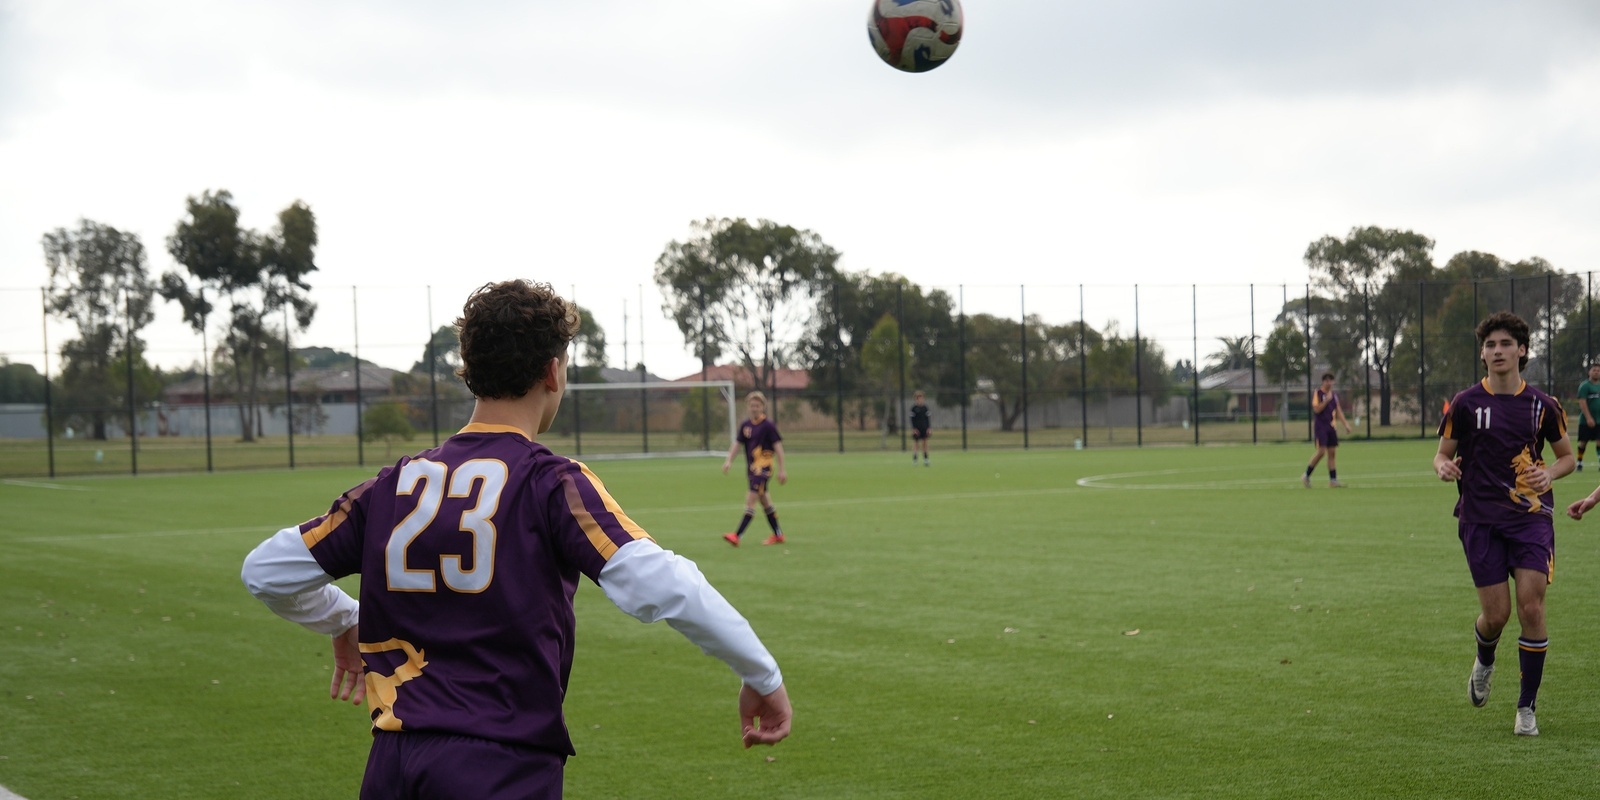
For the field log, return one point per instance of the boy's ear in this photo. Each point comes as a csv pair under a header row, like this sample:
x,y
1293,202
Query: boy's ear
x,y
552,374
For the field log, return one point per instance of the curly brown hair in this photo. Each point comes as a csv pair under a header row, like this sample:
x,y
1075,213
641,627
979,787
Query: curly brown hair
x,y
509,331
1510,323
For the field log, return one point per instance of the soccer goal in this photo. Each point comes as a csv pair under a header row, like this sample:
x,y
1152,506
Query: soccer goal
x,y
645,420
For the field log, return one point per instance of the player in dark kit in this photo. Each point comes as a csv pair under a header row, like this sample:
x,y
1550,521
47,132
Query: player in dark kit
x,y
1589,406
919,428
763,448
1325,410
1491,442
469,556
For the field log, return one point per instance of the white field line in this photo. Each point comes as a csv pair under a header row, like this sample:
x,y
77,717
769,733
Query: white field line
x,y
1382,480
7,794
42,485
268,530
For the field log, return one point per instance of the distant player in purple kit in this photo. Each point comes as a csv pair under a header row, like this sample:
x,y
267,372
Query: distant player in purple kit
x,y
1491,442
469,556
919,427
1325,410
763,448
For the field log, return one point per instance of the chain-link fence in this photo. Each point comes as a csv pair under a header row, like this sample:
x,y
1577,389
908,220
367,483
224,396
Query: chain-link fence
x,y
1072,366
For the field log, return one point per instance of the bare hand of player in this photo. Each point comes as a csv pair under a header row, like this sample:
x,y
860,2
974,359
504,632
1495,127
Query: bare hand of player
x,y
1581,507
1538,479
725,466
1448,470
764,720
349,674
783,477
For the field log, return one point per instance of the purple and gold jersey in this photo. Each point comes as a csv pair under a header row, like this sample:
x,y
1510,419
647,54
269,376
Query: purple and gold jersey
x,y
1323,421
760,439
469,555
1499,437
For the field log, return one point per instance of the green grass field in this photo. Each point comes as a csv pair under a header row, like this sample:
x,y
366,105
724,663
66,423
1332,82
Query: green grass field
x,y
1157,623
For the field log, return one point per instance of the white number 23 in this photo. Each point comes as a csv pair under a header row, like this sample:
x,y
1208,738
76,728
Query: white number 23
x,y
477,520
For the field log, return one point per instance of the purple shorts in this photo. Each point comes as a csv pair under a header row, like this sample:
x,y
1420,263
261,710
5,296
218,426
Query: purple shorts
x,y
758,480
1326,438
445,766
1493,551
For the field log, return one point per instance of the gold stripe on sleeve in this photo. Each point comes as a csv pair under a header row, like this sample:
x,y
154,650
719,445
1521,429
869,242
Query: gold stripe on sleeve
x,y
586,521
623,519
326,526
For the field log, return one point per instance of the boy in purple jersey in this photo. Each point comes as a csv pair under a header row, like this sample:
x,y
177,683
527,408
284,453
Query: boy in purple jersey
x,y
763,447
469,556
1491,443
1325,410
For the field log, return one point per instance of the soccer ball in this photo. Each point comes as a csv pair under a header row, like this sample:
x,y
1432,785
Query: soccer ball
x,y
915,35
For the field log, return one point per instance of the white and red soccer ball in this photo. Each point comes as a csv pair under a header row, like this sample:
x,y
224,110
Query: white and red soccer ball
x,y
915,35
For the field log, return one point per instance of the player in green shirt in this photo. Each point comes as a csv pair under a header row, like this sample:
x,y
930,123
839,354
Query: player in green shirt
x,y
1589,404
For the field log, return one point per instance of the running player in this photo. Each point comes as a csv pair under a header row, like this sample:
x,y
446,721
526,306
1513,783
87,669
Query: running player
x,y
1491,443
763,446
469,555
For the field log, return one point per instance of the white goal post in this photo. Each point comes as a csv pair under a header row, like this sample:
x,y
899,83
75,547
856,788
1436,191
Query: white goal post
x,y
656,419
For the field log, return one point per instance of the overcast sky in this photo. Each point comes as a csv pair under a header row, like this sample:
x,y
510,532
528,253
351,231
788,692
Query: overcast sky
x,y
1158,142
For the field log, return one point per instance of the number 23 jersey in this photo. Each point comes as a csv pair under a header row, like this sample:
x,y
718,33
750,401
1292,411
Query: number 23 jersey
x,y
469,556
1499,438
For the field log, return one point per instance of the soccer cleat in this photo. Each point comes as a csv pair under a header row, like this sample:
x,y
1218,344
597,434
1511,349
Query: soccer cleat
x,y
731,538
1478,684
1526,724
776,538
1305,480
1335,485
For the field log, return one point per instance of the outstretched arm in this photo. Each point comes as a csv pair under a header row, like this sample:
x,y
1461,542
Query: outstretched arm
x,y
650,584
282,573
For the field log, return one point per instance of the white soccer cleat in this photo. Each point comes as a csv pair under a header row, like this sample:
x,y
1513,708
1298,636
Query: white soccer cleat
x,y
1478,684
1305,480
1335,485
1526,724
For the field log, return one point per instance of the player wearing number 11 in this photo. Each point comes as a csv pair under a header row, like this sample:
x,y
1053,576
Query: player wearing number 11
x,y
1491,443
469,555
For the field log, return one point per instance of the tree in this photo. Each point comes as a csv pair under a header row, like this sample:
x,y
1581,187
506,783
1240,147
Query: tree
x,y
1378,269
20,383
386,421
1125,365
883,355
1235,354
850,308
1283,359
444,351
996,348
99,282
744,287
258,276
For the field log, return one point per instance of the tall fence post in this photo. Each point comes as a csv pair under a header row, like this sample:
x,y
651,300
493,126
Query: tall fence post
x,y
1194,358
1255,400
355,333
288,386
1549,331
705,365
1474,350
1366,351
205,377
1422,358
1022,308
433,378
133,408
838,365
1138,373
1309,366
961,335
644,393
900,353
49,412
1083,372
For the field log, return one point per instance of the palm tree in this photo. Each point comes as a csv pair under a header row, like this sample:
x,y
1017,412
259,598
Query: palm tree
x,y
1235,354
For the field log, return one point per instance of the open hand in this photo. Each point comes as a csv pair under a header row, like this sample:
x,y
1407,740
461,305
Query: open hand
x,y
349,674
1581,507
